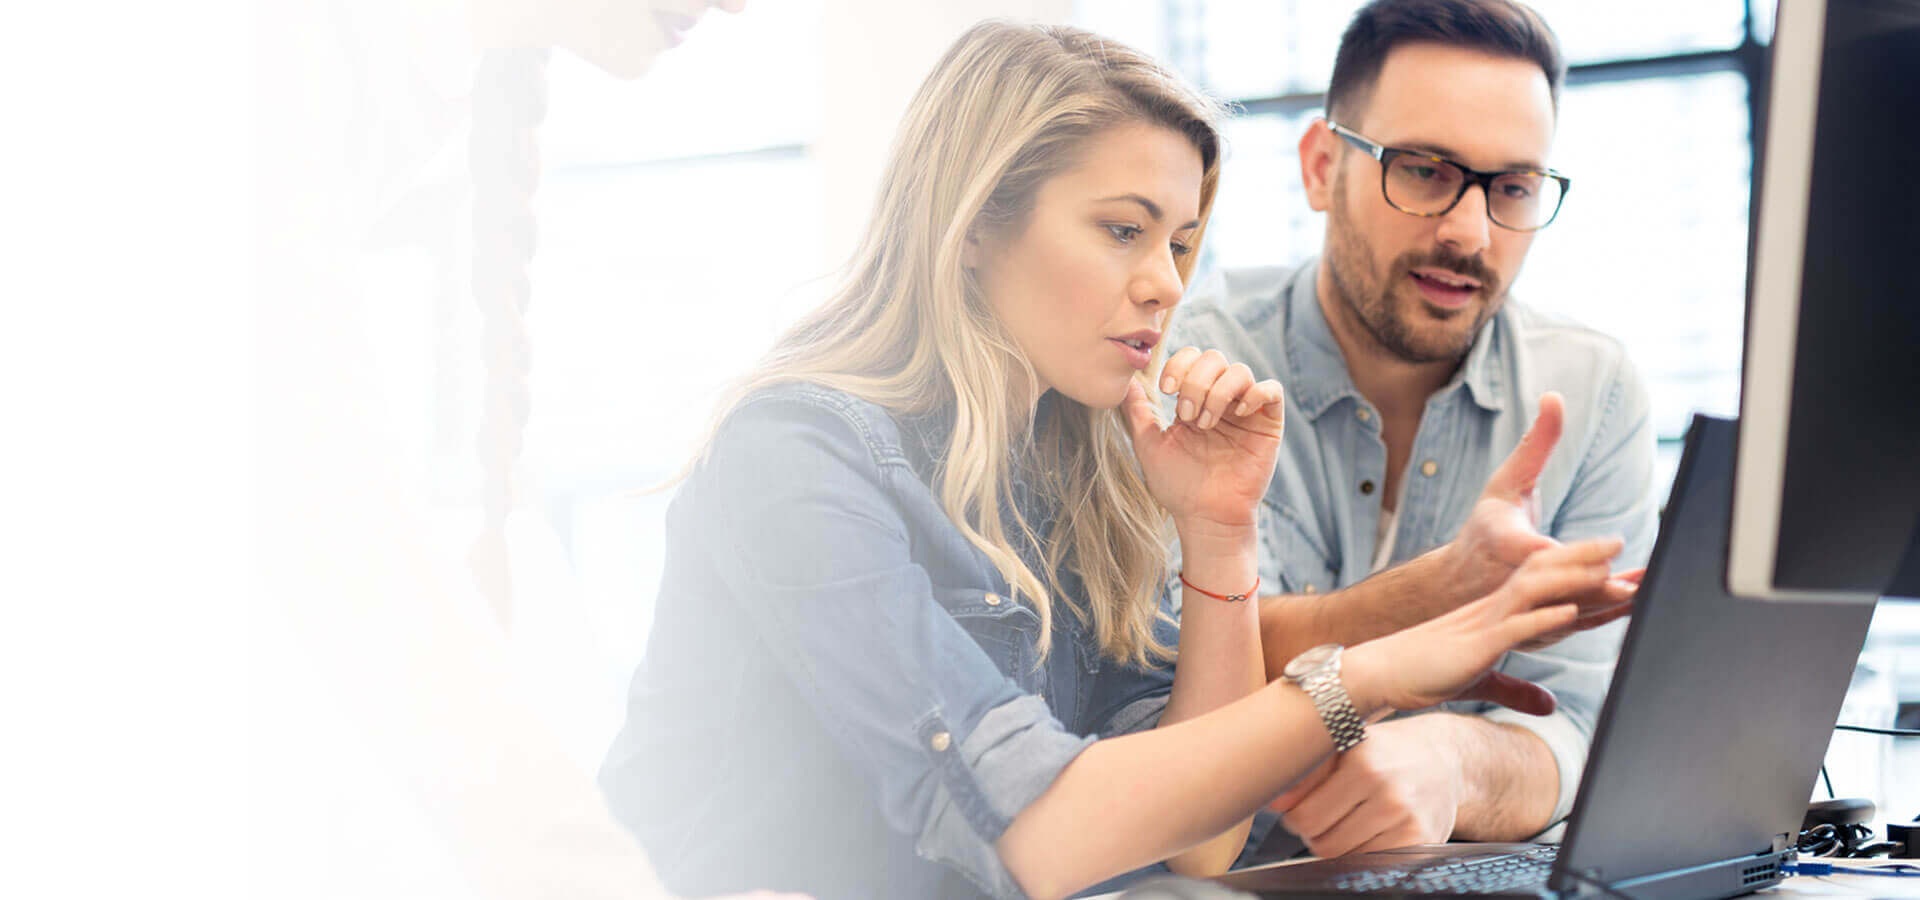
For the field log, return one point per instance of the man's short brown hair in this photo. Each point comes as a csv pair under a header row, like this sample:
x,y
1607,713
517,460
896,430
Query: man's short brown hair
x,y
1496,27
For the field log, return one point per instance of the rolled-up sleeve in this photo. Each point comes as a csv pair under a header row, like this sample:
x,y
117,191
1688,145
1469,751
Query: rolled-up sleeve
x,y
1577,671
1005,763
1612,495
820,570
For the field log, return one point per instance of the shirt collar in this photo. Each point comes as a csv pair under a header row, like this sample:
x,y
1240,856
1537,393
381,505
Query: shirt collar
x,y
1320,377
1481,373
924,438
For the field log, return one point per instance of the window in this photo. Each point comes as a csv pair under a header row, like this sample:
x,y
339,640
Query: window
x,y
1657,107
654,192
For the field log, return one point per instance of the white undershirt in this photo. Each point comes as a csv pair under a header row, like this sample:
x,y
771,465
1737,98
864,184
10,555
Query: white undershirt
x,y
1384,534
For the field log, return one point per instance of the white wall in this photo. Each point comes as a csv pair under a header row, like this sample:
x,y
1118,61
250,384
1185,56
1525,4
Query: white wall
x,y
877,53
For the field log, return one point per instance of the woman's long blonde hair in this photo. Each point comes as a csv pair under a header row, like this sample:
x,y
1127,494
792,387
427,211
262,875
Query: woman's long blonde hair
x,y
1008,107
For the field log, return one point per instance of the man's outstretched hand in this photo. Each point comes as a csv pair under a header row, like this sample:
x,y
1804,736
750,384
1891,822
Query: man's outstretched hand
x,y
1503,530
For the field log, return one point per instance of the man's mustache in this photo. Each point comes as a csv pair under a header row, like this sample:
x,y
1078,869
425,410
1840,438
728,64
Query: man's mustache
x,y
1470,266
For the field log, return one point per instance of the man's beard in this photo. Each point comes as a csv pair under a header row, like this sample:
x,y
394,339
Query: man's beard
x,y
1370,299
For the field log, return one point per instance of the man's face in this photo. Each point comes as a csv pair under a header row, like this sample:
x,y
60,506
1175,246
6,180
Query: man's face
x,y
1423,287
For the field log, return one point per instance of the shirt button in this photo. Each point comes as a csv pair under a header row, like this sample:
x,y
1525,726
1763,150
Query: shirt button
x,y
993,599
941,742
1365,414
1366,487
1429,468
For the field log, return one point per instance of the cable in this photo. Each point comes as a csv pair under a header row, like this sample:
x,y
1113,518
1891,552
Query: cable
x,y
1851,841
1900,870
1894,732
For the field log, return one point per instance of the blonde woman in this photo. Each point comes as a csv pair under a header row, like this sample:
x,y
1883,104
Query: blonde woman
x,y
911,639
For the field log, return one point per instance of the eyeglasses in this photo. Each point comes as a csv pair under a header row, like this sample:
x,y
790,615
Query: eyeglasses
x,y
1422,184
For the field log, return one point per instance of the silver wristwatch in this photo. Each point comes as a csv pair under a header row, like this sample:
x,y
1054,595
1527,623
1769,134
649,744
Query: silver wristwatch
x,y
1317,671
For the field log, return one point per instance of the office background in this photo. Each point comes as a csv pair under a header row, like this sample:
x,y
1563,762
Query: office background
x,y
684,219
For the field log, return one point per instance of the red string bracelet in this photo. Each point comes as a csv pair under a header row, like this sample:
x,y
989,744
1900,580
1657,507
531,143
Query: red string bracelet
x,y
1233,598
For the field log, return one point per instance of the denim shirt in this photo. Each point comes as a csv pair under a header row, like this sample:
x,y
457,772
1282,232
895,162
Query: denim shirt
x,y
839,696
1318,523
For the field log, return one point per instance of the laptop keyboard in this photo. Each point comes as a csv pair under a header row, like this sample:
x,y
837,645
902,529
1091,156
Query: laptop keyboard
x,y
1471,875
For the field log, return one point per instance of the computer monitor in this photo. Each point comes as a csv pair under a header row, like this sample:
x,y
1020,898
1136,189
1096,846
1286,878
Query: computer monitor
x,y
1827,487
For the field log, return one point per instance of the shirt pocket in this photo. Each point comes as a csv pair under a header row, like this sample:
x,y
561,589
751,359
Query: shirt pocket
x,y
1007,631
1293,558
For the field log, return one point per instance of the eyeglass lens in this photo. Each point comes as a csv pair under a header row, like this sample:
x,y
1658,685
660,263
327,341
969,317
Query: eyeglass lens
x,y
1429,187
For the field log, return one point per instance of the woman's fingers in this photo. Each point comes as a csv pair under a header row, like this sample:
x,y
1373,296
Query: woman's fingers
x,y
1532,589
1174,370
1225,392
1264,397
1591,550
1139,413
1517,630
1596,619
1209,389
1196,382
1557,573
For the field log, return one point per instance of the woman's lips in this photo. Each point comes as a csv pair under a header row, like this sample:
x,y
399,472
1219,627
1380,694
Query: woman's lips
x,y
1136,356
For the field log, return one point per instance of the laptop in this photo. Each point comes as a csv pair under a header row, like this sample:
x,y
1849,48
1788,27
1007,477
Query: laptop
x,y
1705,752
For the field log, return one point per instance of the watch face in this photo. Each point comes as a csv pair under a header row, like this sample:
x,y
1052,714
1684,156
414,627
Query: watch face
x,y
1310,660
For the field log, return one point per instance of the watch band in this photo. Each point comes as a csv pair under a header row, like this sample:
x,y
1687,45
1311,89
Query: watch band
x,y
1317,672
1330,698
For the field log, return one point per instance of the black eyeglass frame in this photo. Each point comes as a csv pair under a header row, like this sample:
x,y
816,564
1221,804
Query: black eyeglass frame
x,y
1386,155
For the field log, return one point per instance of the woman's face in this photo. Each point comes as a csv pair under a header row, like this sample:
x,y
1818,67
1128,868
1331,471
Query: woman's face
x,y
1086,284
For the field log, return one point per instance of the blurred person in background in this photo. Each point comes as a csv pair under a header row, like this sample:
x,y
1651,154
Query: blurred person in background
x,y
399,750
912,637
1411,374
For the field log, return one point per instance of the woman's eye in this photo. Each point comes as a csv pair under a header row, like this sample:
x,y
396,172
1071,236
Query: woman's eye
x,y
1180,249
1123,233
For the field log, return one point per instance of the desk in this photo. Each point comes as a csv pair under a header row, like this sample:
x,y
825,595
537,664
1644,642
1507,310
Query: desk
x,y
1844,886
1798,887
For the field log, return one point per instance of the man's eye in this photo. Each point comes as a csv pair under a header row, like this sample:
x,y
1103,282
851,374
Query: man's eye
x,y
1516,191
1424,173
1123,233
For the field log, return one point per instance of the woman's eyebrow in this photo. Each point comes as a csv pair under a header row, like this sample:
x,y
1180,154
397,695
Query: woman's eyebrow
x,y
1152,208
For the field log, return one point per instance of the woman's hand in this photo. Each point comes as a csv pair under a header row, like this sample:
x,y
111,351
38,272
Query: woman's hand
x,y
1452,656
1211,466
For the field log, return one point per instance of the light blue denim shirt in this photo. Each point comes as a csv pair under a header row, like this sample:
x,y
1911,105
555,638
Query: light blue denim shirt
x,y
1318,524
839,695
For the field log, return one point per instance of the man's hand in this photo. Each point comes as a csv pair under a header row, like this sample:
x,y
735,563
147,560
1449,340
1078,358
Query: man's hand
x,y
1499,536
1402,785
1501,532
1426,779
1504,529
